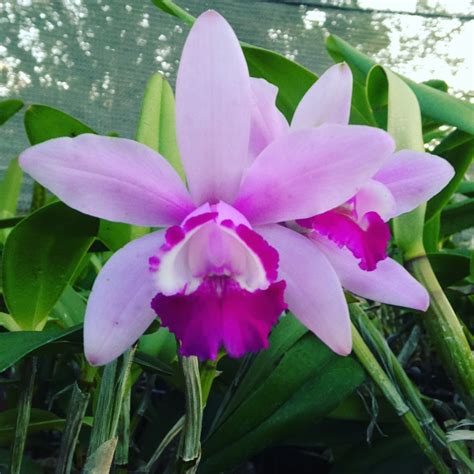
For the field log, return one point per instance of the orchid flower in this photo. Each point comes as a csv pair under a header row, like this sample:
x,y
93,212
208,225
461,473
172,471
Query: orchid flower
x,y
211,277
353,236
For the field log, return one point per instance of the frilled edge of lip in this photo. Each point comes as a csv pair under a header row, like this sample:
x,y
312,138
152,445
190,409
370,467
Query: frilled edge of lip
x,y
266,256
220,314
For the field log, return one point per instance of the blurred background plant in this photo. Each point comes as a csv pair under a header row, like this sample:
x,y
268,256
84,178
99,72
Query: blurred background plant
x,y
404,400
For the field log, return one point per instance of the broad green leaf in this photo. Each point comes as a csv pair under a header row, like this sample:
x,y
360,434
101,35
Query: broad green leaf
x,y
156,126
392,454
9,193
396,109
291,79
160,345
44,123
116,234
8,108
16,345
70,308
41,255
287,332
458,149
304,384
450,267
434,103
457,217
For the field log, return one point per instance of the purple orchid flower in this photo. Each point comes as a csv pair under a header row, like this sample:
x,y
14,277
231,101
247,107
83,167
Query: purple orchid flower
x,y
353,236
211,277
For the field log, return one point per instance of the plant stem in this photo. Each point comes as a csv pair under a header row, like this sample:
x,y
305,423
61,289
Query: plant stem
x,y
38,198
391,393
76,411
412,396
446,332
104,408
207,376
28,374
189,451
113,386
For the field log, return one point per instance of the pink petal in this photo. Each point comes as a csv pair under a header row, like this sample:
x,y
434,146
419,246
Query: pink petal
x,y
313,291
327,101
267,122
308,172
374,196
389,283
112,178
367,243
221,314
118,311
213,110
414,177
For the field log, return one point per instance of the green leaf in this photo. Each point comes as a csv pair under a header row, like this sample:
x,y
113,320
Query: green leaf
x,y
434,103
40,257
457,217
70,308
291,79
450,267
8,322
8,108
16,345
458,149
392,454
160,345
44,123
437,84
288,331
156,127
466,188
9,193
305,382
116,234
396,109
